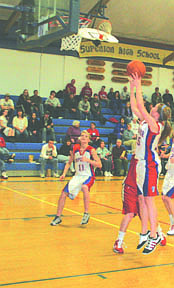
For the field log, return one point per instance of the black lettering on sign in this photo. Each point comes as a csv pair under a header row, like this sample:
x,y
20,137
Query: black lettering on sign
x,y
124,51
100,48
145,54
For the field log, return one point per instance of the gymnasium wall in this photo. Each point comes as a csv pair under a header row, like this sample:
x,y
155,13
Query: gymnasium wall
x,y
45,72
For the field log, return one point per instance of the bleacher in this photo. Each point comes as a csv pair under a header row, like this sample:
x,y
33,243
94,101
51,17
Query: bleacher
x,y
22,166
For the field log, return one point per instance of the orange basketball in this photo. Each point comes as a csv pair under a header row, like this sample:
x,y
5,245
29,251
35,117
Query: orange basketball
x,y
136,66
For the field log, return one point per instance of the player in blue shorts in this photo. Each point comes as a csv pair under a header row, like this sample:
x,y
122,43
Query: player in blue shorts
x,y
85,158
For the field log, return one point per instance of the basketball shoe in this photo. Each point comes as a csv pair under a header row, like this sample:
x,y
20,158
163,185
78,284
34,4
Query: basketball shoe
x,y
57,220
171,231
151,244
163,240
118,247
143,240
85,218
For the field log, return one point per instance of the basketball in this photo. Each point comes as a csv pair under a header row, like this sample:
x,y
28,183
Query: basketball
x,y
136,66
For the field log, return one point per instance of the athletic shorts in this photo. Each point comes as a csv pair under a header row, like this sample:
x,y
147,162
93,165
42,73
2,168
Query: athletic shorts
x,y
147,178
130,200
74,186
168,185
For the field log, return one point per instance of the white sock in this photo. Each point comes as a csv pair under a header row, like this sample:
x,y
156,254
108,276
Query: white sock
x,y
171,219
160,232
121,236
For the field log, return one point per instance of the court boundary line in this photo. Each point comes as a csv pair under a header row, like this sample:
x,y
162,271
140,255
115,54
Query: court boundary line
x,y
73,211
85,275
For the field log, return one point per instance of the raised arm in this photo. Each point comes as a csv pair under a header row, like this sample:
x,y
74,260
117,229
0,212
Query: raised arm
x,y
133,101
136,82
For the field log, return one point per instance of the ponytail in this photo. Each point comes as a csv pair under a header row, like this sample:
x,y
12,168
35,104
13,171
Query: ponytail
x,y
166,132
165,114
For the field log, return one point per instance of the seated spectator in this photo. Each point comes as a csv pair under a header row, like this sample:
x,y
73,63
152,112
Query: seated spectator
x,y
70,106
124,96
103,96
127,112
52,104
116,104
47,127
119,156
84,109
86,91
8,104
111,94
34,126
4,129
20,123
95,136
106,159
73,132
129,138
48,155
168,100
135,126
117,133
70,87
36,103
156,97
64,153
24,102
5,156
96,109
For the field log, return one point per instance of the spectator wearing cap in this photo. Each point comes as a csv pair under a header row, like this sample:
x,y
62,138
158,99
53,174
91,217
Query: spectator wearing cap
x,y
8,104
52,104
47,127
74,132
86,91
156,97
84,109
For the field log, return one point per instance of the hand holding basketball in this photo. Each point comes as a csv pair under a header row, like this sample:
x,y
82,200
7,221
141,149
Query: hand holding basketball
x,y
136,66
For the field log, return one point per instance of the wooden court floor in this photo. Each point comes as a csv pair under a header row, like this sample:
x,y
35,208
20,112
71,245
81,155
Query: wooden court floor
x,y
37,255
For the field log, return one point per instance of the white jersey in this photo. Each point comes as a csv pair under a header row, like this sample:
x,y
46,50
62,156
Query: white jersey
x,y
83,168
147,143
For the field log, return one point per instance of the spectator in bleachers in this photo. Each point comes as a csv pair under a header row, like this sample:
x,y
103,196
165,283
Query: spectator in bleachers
x,y
24,102
70,106
47,127
96,109
64,153
70,87
127,112
116,104
129,138
95,135
168,100
103,96
86,91
73,132
84,109
135,125
156,97
124,96
117,133
4,129
48,155
5,156
146,103
20,123
36,103
8,104
119,155
52,104
106,158
163,150
111,94
34,126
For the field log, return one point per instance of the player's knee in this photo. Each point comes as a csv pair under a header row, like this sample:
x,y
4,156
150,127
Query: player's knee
x,y
84,188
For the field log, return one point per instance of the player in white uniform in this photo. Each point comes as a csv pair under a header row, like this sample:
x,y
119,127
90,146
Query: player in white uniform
x,y
85,158
153,130
168,188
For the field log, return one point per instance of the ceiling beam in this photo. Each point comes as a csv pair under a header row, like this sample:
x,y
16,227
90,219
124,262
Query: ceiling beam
x,y
168,58
12,19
